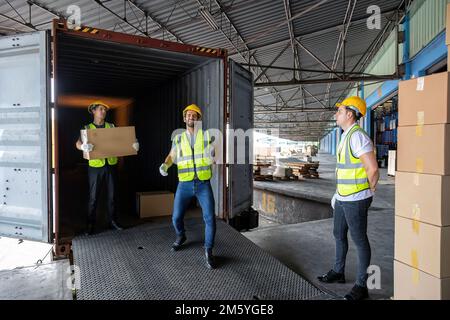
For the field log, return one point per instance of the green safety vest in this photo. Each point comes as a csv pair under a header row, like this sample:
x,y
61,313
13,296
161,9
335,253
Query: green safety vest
x,y
191,160
350,173
98,163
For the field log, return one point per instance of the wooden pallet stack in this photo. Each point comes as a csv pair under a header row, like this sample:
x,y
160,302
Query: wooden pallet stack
x,y
306,170
262,172
263,168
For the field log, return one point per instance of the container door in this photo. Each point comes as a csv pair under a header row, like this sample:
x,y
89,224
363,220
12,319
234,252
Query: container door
x,y
25,212
240,145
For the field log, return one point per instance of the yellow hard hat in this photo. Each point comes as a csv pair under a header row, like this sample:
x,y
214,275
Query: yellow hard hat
x,y
354,103
95,104
192,107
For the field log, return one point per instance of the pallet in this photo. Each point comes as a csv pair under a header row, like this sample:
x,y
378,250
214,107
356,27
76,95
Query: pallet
x,y
263,178
290,178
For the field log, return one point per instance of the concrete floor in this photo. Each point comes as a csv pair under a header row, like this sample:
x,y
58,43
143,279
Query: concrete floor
x,y
308,248
27,272
50,281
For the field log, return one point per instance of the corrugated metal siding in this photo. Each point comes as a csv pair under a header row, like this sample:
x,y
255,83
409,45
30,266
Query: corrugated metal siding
x,y
427,21
383,63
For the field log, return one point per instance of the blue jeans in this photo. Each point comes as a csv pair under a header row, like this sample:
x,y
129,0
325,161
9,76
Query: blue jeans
x,y
352,215
203,192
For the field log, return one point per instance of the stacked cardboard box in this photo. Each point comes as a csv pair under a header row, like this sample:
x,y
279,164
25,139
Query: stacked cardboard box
x,y
422,190
154,203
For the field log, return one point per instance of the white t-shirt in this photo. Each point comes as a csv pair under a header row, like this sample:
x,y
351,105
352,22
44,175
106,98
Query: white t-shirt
x,y
360,144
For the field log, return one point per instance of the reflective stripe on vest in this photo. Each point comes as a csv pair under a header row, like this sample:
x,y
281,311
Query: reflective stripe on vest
x,y
198,161
351,177
98,163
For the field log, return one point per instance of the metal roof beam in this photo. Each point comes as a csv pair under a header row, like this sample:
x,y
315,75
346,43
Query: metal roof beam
x,y
316,32
321,81
295,53
236,40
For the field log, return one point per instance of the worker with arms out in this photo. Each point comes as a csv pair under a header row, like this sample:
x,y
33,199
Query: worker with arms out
x,y
192,152
101,171
356,178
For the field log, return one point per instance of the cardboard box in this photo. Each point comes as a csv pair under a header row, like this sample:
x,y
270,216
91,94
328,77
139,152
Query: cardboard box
x,y
447,36
413,284
392,162
423,197
424,149
424,100
109,142
154,203
423,246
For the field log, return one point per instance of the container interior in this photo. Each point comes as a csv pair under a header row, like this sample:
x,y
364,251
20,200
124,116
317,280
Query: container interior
x,y
146,88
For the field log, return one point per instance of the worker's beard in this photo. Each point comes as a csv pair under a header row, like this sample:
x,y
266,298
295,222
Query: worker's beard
x,y
191,123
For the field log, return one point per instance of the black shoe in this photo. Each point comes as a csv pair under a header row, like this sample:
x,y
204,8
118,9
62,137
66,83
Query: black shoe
x,y
331,277
90,229
357,293
115,226
178,243
209,259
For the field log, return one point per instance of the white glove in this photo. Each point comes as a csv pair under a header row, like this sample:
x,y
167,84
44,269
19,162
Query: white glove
x,y
333,201
87,147
163,170
135,146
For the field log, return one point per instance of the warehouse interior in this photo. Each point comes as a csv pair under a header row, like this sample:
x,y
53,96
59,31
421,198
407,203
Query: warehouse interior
x,y
304,57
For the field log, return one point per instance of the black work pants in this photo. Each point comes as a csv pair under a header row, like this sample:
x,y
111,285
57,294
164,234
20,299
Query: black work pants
x,y
102,178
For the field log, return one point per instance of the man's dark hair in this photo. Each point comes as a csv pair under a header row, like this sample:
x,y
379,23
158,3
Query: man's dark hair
x,y
357,116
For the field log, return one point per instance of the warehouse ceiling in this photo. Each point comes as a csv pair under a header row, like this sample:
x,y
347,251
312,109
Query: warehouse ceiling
x,y
279,40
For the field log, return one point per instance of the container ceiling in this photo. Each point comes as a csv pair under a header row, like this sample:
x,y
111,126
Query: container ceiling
x,y
93,66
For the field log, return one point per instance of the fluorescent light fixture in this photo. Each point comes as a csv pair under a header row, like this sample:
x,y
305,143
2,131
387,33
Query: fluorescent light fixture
x,y
207,16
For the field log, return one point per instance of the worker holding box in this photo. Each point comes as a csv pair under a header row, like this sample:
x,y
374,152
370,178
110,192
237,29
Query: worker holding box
x,y
357,176
101,170
192,152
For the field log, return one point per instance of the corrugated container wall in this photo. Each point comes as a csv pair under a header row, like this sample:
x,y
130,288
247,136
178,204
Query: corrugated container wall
x,y
202,86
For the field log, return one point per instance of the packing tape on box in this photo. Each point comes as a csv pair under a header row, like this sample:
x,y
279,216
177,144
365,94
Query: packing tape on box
x,y
419,131
416,218
420,118
415,276
419,165
414,259
420,123
416,179
420,84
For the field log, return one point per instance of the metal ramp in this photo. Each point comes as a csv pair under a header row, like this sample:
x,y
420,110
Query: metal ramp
x,y
137,264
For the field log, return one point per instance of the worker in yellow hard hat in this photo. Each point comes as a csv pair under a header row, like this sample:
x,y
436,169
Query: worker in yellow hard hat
x,y
101,170
192,151
357,176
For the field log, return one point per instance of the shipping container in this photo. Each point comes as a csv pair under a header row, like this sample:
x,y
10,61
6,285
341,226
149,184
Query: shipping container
x,y
46,82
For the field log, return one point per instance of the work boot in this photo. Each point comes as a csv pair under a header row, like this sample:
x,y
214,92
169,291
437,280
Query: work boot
x,y
178,242
209,258
115,226
331,277
357,293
